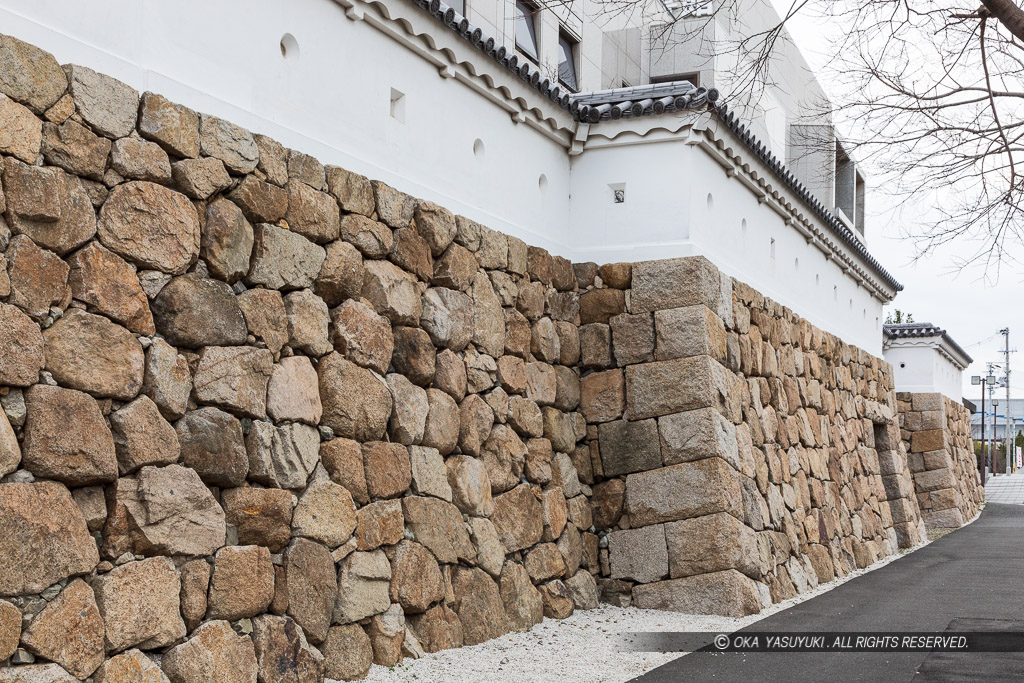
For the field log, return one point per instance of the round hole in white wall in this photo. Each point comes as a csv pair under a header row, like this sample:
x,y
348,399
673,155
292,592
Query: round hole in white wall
x,y
289,48
711,202
478,149
542,182
903,365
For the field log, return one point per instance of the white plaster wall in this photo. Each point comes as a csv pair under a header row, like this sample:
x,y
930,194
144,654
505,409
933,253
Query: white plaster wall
x,y
922,369
667,213
224,58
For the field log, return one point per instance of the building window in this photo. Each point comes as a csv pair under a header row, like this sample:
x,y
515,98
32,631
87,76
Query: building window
x,y
458,5
567,62
693,78
526,29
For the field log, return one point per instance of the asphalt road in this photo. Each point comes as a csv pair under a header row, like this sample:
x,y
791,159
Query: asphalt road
x,y
975,573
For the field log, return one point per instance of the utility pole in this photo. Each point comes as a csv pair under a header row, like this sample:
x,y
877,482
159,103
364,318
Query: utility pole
x,y
1010,459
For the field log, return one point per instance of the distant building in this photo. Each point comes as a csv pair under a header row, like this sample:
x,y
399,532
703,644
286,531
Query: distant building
x,y
925,359
995,418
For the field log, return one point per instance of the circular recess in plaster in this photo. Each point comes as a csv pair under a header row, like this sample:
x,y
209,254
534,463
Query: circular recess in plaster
x,y
711,202
289,48
903,365
478,149
542,183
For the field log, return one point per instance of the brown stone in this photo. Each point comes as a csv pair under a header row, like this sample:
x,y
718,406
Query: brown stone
x,y
558,602
362,336
429,475
193,311
414,355
261,516
639,554
139,159
439,628
388,473
308,322
436,225
312,214
228,142
363,581
226,242
394,208
214,652
212,444
282,653
928,440
343,459
673,283
90,353
347,653
392,292
455,269
76,149
416,581
447,317
39,279
629,446
379,523
476,420
596,346
173,126
163,510
139,604
689,331
633,338
478,604
681,491
142,436
282,259
387,636
312,586
600,305
525,417
106,104
284,456
21,348
519,518
325,513
21,133
265,316
242,583
523,604
727,593
672,386
293,391
150,226
438,525
517,333
544,561
471,488
602,396
195,584
341,276
352,190
133,666
234,378
709,544
374,240
66,437
106,282
259,201
541,383
45,540
167,379
273,161
10,451
539,455
412,253
503,456
450,374
30,75
69,631
607,502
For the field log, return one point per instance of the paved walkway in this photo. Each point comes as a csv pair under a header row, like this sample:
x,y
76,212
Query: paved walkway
x,y
1005,488
972,573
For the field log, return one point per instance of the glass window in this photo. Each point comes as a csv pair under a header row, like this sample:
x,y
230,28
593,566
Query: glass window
x,y
567,62
526,30
458,5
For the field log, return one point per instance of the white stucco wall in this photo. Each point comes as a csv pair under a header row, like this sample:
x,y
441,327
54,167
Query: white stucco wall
x,y
921,368
681,202
333,101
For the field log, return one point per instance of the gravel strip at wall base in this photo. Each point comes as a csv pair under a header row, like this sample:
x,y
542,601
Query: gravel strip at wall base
x,y
584,647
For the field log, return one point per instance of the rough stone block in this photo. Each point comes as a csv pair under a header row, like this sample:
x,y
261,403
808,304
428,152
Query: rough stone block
x,y
639,554
690,489
726,593
629,446
672,386
709,544
698,434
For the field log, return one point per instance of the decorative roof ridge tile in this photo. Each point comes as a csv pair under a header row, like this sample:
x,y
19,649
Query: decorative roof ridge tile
x,y
920,331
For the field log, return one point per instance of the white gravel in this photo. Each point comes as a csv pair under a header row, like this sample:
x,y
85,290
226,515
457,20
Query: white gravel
x,y
584,647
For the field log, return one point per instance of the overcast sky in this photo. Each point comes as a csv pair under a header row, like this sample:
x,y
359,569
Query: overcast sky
x,y
969,308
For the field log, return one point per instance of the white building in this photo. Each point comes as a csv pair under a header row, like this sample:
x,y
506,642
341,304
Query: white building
x,y
512,115
925,359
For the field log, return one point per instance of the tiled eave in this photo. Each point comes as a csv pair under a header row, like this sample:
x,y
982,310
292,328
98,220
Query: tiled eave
x,y
925,335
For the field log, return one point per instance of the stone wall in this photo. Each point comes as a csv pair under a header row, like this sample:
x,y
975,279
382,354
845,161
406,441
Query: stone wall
x,y
936,433
740,455
264,417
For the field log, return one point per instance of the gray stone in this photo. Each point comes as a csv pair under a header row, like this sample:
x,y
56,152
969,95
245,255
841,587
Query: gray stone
x,y
105,103
231,144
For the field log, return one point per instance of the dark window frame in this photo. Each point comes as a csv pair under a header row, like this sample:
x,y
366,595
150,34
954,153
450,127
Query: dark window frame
x,y
526,14
573,45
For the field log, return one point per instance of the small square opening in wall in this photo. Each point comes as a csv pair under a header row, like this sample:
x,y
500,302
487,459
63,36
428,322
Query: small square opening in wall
x,y
398,105
618,193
